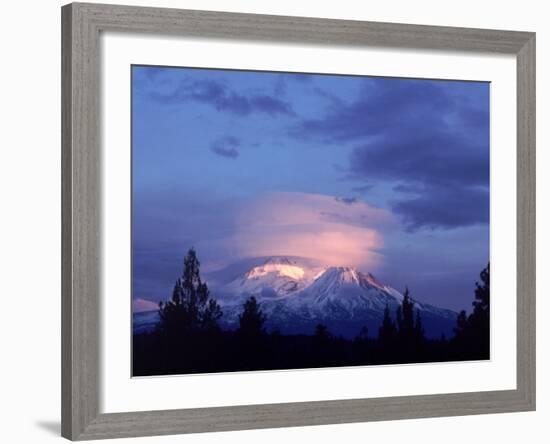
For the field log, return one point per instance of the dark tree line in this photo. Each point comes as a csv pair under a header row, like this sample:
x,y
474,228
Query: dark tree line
x,y
472,334
403,339
189,339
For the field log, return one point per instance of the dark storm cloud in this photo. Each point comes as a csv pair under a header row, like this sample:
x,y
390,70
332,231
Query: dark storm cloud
x,y
431,159
222,98
445,207
382,105
226,147
432,138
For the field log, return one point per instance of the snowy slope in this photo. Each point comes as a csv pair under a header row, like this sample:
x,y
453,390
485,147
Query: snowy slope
x,y
296,297
296,294
276,277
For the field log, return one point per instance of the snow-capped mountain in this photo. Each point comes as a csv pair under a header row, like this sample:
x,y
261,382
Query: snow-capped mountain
x,y
277,277
297,296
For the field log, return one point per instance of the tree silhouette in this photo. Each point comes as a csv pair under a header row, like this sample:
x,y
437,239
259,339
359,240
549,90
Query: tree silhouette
x,y
481,303
461,324
480,317
363,333
252,319
387,332
418,328
405,321
323,346
322,334
399,319
410,331
251,335
191,308
189,339
472,333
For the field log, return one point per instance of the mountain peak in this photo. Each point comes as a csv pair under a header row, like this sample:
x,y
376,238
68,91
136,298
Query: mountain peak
x,y
297,294
279,268
342,274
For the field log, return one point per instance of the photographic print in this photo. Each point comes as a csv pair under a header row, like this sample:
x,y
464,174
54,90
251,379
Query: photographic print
x,y
300,220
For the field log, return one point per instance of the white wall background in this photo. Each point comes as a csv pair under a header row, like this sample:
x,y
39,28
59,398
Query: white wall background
x,y
30,221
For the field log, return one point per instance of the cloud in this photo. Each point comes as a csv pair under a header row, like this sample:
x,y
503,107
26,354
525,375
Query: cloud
x,y
270,105
429,136
226,147
443,184
347,200
222,98
445,207
381,105
310,225
438,159
225,231
140,305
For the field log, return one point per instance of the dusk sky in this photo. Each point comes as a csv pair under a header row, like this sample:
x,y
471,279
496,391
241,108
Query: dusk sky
x,y
388,175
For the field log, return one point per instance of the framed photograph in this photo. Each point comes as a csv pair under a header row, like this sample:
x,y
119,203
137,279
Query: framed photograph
x,y
278,221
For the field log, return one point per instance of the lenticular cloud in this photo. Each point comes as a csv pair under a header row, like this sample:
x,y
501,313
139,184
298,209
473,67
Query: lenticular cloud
x,y
317,226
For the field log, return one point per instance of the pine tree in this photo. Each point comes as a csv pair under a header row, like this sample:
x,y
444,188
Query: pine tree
x,y
251,320
405,321
407,326
472,333
399,318
323,345
461,324
479,320
363,333
212,315
191,308
481,302
418,328
251,335
321,333
387,331
410,332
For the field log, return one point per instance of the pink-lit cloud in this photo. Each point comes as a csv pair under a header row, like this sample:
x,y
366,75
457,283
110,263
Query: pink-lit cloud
x,y
332,231
140,305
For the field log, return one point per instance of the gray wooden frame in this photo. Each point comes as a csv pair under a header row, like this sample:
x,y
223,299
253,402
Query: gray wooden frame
x,y
81,235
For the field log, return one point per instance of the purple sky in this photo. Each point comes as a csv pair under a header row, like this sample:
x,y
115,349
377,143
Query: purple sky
x,y
388,175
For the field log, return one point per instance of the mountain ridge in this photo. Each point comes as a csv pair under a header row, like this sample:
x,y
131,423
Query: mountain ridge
x,y
296,295
295,298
